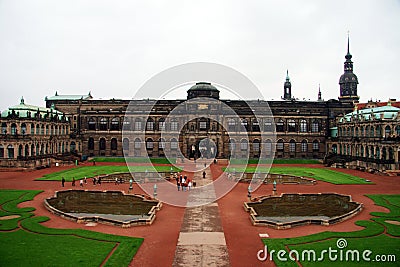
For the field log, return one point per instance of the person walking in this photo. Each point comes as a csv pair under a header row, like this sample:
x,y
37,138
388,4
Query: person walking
x,y
94,180
85,180
63,181
73,181
81,183
204,174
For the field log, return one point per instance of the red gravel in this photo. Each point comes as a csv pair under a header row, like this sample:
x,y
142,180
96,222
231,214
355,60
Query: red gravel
x,y
242,238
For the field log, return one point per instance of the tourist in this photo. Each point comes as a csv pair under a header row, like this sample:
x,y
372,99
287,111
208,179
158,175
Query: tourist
x,y
194,183
178,184
63,181
120,180
116,180
189,185
73,181
99,181
85,180
183,184
81,183
94,181
204,174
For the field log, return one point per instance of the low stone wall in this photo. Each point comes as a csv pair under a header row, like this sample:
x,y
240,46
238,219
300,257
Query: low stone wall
x,y
299,222
150,216
270,178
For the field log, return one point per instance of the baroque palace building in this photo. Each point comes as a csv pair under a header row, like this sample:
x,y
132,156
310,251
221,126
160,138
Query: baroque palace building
x,y
304,129
34,136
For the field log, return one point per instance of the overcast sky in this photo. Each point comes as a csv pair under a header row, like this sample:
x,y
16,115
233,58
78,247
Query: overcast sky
x,y
111,48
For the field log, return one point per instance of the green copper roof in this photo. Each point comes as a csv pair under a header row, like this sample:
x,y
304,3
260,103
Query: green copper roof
x,y
389,112
69,97
22,110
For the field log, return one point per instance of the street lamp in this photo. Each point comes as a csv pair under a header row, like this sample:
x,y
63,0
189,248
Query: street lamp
x,y
155,190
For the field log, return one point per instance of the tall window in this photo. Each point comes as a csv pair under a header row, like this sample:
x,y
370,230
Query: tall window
x,y
174,125
245,124
13,129
91,124
292,146
161,124
268,147
315,126
125,144
32,129
114,144
203,125
102,144
280,126
315,145
174,144
255,125
256,145
4,128
149,144
115,124
387,131
137,143
1,151
161,143
279,145
243,144
103,124
291,126
303,126
91,143
268,125
232,145
138,125
231,124
304,146
10,150
150,125
23,128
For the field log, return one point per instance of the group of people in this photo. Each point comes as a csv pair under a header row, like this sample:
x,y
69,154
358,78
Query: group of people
x,y
82,181
184,183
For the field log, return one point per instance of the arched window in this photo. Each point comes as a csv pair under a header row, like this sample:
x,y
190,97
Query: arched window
x,y
243,145
245,124
102,143
20,150
114,144
315,145
13,129
231,124
303,126
291,125
378,153
378,131
367,131
115,124
304,146
42,130
37,129
92,124
398,130
149,144
384,153
280,127
23,128
391,154
315,126
203,124
1,151
362,131
372,132
91,143
32,150
32,129
150,124
292,146
174,144
103,124
357,133
10,150
362,151
47,129
137,144
125,144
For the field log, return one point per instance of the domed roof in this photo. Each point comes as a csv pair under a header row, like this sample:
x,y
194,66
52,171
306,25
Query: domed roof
x,y
348,77
203,86
384,112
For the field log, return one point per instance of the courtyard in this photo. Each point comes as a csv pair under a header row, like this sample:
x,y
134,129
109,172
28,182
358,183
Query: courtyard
x,y
28,228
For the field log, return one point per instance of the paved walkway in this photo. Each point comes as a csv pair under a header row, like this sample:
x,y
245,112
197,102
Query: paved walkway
x,y
201,240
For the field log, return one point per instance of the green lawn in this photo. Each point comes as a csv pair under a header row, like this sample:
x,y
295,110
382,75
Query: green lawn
x,y
134,160
320,174
275,161
90,171
32,244
376,237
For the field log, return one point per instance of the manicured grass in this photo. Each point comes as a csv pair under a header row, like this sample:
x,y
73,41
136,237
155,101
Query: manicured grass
x,y
376,237
91,171
320,174
134,160
275,161
36,245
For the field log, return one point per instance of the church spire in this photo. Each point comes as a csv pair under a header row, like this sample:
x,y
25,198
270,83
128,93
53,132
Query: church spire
x,y
348,81
287,88
319,93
